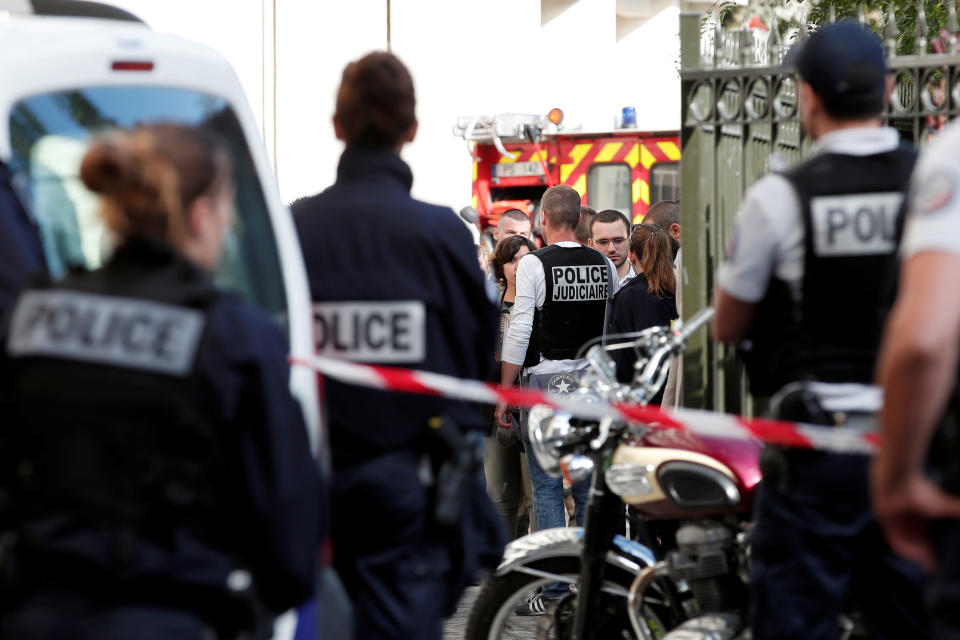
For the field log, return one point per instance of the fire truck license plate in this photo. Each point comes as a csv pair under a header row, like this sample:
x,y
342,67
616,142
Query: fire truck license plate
x,y
517,169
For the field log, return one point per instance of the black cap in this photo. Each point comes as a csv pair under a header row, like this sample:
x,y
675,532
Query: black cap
x,y
844,64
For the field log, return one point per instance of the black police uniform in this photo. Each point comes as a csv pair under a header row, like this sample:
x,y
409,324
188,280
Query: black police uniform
x,y
19,243
577,283
156,478
396,282
816,542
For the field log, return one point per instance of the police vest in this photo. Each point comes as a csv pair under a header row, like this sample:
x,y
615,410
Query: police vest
x,y
852,211
107,429
577,286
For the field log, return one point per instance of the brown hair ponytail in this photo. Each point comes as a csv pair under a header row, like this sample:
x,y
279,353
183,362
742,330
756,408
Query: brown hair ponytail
x,y
652,247
149,177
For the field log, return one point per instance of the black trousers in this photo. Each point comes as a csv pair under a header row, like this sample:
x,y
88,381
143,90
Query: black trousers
x,y
395,570
817,551
943,594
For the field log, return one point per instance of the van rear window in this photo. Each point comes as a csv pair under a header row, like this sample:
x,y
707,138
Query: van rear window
x,y
50,134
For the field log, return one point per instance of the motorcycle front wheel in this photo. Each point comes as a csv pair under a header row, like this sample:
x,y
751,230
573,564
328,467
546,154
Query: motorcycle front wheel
x,y
492,615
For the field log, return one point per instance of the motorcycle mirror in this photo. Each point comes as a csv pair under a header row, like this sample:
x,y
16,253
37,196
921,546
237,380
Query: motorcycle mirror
x,y
469,214
602,364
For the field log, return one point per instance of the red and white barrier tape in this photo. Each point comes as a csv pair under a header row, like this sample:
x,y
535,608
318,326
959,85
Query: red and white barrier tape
x,y
701,423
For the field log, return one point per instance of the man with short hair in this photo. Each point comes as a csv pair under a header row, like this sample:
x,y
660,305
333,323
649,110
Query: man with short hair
x,y
666,213
804,281
561,300
610,235
583,228
513,222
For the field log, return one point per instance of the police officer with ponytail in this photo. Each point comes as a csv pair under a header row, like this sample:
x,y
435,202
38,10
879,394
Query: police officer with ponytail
x,y
396,282
803,291
156,479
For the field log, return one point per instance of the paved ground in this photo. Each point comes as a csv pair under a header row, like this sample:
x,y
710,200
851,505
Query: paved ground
x,y
522,628
455,626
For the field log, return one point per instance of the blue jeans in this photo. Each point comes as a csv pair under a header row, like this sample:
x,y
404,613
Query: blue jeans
x,y
549,511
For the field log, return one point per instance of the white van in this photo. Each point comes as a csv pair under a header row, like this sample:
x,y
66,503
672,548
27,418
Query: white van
x,y
63,79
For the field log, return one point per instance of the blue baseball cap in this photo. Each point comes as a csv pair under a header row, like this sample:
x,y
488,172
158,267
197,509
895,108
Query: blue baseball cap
x,y
844,64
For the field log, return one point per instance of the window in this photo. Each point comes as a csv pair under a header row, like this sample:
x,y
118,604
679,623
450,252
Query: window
x,y
664,182
609,187
50,134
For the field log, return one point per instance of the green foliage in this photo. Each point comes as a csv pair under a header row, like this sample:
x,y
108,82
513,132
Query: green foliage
x,y
817,14
876,14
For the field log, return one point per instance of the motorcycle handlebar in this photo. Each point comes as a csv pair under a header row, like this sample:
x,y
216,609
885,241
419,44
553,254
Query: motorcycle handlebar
x,y
694,324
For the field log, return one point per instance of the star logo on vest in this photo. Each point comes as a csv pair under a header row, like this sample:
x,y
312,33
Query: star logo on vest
x,y
562,383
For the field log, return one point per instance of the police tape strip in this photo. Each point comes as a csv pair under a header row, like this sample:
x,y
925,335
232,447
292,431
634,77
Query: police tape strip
x,y
693,421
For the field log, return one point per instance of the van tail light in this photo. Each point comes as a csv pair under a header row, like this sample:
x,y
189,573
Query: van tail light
x,y
131,65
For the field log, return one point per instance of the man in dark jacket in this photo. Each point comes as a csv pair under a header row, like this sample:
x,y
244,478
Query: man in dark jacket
x,y
396,282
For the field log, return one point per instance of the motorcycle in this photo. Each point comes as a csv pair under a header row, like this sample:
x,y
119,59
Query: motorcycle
x,y
692,495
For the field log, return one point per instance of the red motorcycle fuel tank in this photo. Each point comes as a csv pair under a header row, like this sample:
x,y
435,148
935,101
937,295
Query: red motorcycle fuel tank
x,y
689,476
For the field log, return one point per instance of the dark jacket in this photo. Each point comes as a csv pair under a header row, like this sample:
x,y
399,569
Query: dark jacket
x,y
265,480
20,247
636,309
368,245
366,239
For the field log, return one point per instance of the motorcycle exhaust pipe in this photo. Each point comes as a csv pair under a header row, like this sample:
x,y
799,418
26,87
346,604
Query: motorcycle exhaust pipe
x,y
635,598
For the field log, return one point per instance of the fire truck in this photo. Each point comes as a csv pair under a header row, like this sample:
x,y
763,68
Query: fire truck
x,y
516,157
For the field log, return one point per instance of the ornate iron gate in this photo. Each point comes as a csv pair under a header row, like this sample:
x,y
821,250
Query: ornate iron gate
x,y
739,121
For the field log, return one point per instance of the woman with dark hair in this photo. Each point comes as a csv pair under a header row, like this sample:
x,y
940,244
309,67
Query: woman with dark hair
x,y
171,490
508,481
647,300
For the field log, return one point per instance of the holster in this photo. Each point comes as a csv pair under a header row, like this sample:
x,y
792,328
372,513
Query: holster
x,y
457,457
793,404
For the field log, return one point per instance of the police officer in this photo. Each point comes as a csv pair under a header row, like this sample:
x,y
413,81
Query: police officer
x,y
919,507
19,242
156,479
396,282
561,302
804,283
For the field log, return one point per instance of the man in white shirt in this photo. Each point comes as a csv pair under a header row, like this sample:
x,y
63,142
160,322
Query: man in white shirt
x,y
916,476
803,285
562,294
610,235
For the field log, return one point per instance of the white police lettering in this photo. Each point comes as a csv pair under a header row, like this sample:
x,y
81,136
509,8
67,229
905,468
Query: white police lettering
x,y
372,331
579,284
125,332
855,225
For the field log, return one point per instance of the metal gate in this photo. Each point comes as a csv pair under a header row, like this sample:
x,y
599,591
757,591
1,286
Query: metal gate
x,y
739,121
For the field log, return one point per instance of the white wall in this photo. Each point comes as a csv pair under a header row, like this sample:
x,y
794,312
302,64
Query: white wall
x,y
467,58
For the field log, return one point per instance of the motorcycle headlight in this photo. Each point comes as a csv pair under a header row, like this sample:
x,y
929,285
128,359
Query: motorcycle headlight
x,y
626,479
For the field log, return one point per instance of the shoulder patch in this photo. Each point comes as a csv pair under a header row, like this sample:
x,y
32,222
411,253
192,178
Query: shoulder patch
x,y
934,193
124,332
